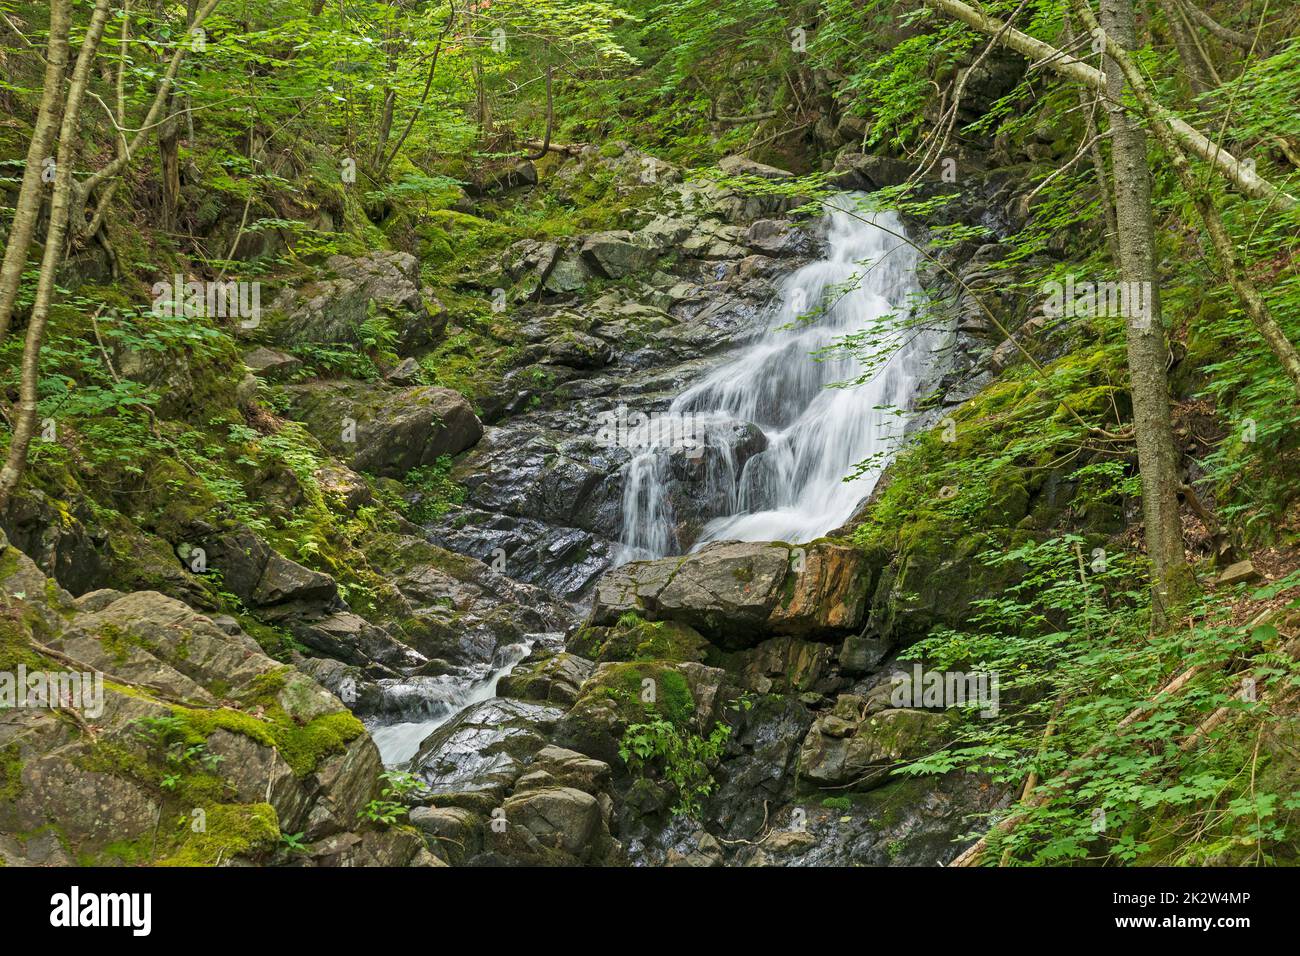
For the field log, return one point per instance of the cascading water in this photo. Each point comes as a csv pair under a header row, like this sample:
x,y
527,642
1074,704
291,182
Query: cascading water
x,y
422,705
816,435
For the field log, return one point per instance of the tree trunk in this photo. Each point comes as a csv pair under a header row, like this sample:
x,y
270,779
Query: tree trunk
x,y
83,190
1255,306
1240,174
169,140
31,192
550,119
56,233
1195,67
1147,350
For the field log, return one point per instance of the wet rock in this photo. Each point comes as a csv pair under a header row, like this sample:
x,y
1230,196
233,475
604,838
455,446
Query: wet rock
x,y
474,760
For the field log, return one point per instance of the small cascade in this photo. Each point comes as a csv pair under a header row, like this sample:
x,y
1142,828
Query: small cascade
x,y
794,489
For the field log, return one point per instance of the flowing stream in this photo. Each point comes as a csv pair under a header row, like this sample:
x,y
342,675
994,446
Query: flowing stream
x,y
816,434
426,703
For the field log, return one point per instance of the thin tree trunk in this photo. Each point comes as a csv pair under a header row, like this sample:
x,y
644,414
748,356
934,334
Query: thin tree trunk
x,y
30,194
56,233
1148,352
385,127
169,161
386,161
1195,68
550,119
1256,308
1217,29
83,190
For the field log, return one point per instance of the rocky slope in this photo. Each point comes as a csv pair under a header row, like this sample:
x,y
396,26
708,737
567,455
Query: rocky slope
x,y
411,591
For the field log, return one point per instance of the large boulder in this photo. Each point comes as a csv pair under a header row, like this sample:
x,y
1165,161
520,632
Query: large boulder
x,y
255,572
853,746
63,540
386,431
619,694
473,760
618,254
332,310
740,593
192,722
553,825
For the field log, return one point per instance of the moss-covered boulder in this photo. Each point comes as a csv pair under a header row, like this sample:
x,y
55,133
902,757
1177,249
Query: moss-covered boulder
x,y
847,747
386,431
633,638
689,695
172,717
355,290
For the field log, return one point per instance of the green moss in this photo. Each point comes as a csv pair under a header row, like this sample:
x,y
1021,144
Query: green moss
x,y
672,694
227,831
636,639
17,628
11,774
118,642
302,746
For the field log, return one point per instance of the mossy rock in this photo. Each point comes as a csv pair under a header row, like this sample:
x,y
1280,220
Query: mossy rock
x,y
633,638
247,831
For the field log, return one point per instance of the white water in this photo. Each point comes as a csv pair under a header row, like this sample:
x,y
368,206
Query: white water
x,y
433,701
795,490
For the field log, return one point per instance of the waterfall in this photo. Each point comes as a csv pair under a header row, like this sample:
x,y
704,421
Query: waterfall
x,y
816,435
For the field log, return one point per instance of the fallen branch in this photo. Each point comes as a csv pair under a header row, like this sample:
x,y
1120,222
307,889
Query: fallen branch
x,y
1072,68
